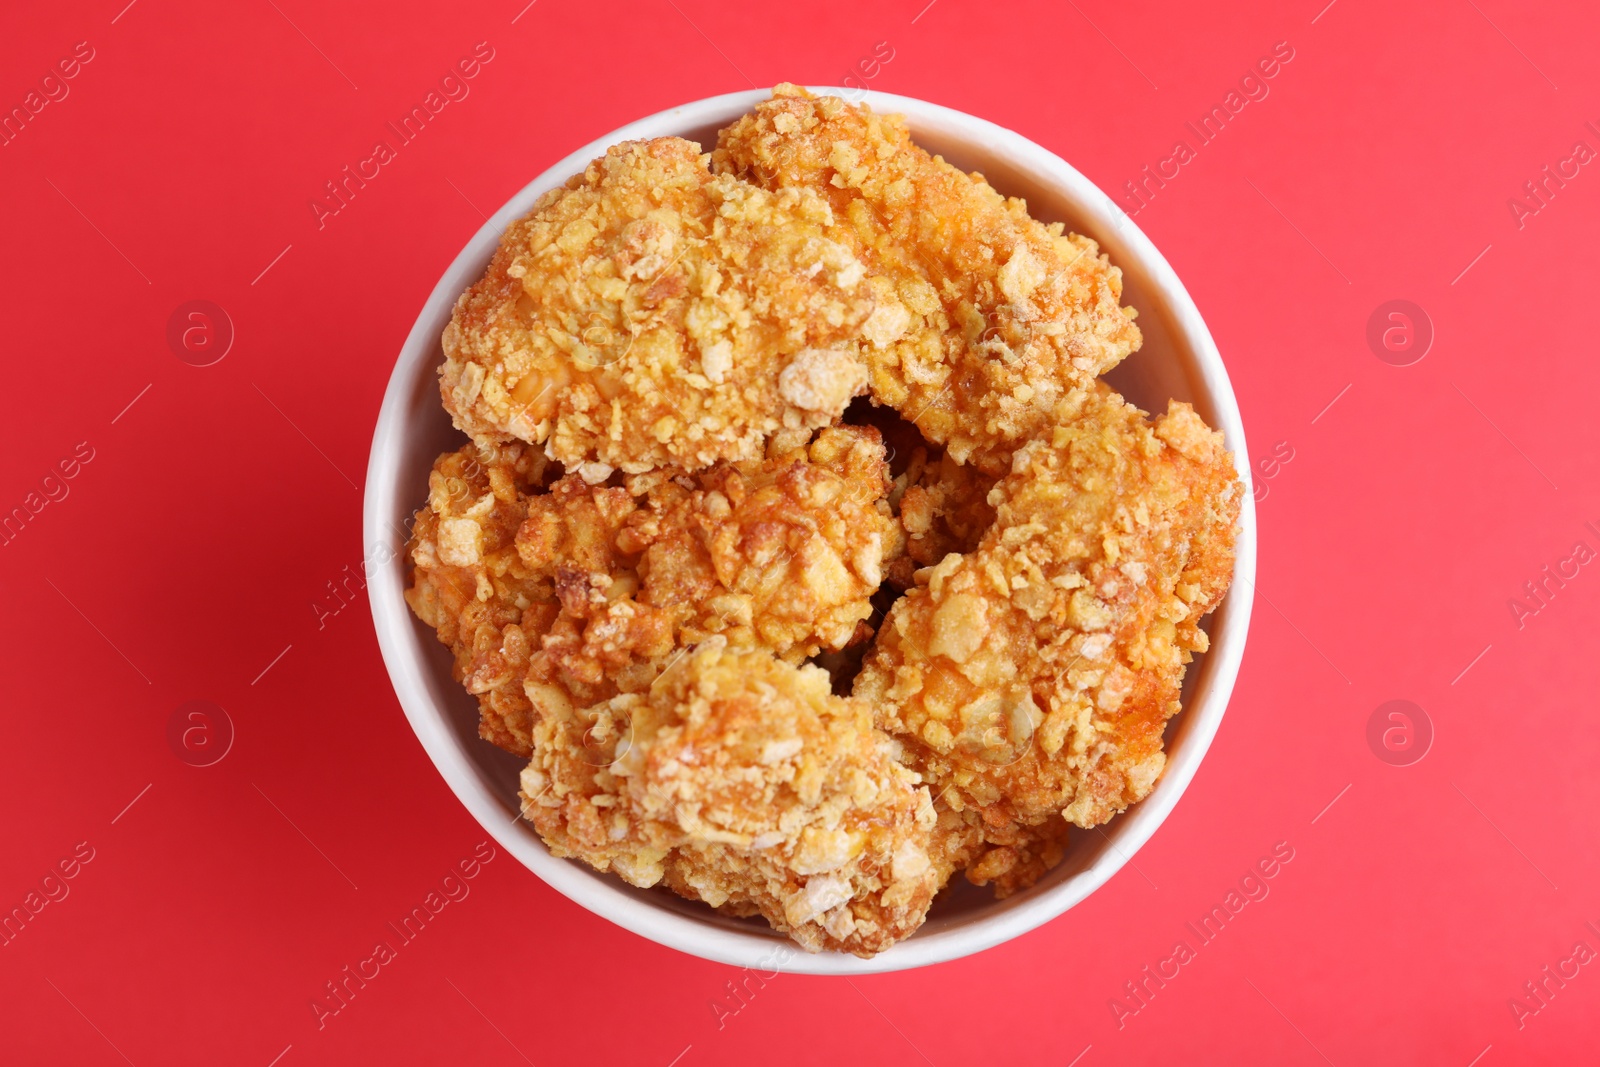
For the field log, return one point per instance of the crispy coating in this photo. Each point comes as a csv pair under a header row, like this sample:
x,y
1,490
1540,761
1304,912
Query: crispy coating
x,y
566,597
650,314
985,318
472,587
742,781
1034,675
942,506
995,851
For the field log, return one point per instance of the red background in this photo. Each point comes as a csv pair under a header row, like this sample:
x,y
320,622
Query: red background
x,y
217,507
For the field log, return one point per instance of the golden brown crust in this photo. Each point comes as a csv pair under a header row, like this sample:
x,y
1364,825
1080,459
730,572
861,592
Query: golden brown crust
x,y
571,595
742,781
1003,854
649,314
471,585
985,319
942,506
1034,676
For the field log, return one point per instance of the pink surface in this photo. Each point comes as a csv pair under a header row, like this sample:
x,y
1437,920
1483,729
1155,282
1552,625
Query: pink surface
x,y
186,557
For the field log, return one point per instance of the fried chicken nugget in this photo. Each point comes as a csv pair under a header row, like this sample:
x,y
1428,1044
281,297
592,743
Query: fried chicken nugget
x,y
783,554
742,781
471,586
649,314
565,597
1034,676
985,318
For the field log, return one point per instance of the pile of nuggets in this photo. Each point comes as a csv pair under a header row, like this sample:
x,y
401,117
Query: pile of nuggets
x,y
752,652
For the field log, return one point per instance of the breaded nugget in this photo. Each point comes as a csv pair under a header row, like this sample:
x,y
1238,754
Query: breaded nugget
x,y
470,584
1035,675
783,554
985,318
742,781
568,596
649,314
